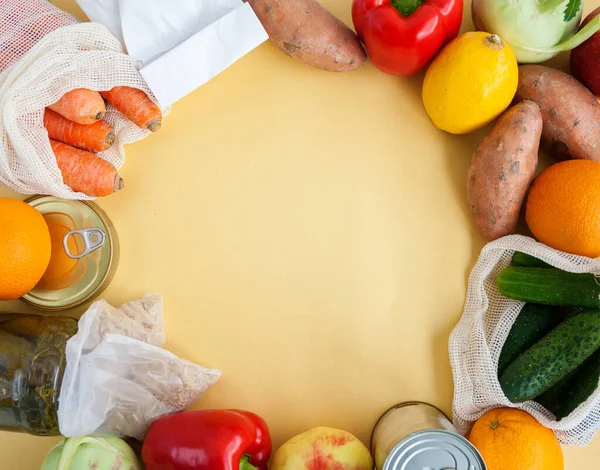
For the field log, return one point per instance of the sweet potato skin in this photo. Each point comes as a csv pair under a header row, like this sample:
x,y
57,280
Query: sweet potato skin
x,y
306,31
502,169
570,112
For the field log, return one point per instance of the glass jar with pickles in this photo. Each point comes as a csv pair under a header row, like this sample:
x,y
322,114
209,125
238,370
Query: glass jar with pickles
x,y
32,364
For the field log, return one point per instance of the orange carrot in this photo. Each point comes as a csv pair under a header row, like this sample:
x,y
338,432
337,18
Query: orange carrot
x,y
7,59
96,137
80,105
85,172
136,106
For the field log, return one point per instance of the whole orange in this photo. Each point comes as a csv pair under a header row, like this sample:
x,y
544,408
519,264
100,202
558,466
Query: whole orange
x,y
511,439
563,207
24,248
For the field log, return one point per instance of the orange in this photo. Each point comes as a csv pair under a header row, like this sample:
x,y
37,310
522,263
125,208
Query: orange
x,y
24,248
563,207
61,269
511,439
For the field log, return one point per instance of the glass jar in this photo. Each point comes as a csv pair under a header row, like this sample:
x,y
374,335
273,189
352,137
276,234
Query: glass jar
x,y
416,435
32,364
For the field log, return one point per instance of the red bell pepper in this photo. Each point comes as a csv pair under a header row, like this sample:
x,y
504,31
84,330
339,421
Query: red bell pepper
x,y
208,440
402,36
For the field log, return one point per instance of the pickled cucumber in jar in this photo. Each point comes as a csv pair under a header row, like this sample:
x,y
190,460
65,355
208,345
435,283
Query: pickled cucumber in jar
x,y
32,364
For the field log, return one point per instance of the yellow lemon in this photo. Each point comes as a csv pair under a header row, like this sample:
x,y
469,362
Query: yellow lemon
x,y
472,80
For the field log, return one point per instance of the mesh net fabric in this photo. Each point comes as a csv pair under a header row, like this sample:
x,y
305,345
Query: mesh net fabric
x,y
476,343
44,53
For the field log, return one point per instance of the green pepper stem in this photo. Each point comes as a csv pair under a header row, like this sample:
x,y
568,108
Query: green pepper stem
x,y
583,35
245,463
407,7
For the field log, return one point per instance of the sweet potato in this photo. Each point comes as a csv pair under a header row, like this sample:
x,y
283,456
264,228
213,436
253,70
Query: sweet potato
x,y
570,112
306,31
503,168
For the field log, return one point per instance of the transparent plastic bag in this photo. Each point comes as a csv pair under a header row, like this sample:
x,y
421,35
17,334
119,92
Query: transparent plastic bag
x,y
476,342
44,53
118,380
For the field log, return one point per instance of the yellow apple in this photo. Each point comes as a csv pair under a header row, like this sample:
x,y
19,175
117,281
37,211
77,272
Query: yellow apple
x,y
322,448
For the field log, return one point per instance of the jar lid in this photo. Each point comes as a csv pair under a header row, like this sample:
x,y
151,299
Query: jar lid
x,y
80,278
434,449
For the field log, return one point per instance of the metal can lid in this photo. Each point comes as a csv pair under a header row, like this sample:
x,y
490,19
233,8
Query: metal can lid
x,y
434,450
79,279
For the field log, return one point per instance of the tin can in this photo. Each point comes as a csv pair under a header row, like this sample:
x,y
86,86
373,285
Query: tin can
x,y
92,254
416,436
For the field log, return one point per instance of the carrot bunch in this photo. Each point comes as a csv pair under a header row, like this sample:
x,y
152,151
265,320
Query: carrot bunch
x,y
76,129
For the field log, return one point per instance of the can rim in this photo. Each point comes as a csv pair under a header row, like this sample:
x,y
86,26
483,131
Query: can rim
x,y
445,432
106,277
401,405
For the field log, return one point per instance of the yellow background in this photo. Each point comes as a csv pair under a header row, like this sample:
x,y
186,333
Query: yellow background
x,y
310,235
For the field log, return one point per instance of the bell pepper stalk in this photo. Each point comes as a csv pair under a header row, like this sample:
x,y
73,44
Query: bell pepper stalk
x,y
403,36
208,440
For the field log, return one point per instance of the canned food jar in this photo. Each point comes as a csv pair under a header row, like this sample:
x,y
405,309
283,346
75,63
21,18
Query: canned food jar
x,y
32,364
85,254
417,436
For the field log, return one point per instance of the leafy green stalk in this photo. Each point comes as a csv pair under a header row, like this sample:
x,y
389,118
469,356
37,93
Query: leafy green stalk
x,y
572,9
582,35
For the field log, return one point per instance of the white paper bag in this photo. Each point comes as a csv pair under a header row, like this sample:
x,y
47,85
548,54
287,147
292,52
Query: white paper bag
x,y
179,45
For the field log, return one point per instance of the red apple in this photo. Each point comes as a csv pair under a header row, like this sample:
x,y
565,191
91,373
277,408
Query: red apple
x,y
322,448
585,59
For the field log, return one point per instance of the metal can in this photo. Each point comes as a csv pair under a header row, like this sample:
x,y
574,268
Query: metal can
x,y
90,241
417,436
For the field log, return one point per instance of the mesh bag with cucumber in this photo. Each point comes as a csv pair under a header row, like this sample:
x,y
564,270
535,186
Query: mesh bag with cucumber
x,y
529,338
45,53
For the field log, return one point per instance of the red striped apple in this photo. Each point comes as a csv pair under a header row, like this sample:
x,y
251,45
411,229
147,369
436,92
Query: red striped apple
x,y
322,448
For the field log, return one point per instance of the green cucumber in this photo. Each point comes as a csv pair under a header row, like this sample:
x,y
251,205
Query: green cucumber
x,y
549,286
552,358
585,384
523,259
553,398
532,324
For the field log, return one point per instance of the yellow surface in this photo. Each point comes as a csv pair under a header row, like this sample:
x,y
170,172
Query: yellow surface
x,y
310,234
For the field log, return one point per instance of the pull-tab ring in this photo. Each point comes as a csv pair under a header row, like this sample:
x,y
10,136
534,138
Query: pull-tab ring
x,y
99,237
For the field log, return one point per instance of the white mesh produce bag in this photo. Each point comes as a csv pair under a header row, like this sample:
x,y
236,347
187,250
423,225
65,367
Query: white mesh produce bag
x,y
476,343
44,53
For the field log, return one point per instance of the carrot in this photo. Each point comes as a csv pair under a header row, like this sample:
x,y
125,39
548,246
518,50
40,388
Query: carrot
x,y
96,137
136,106
80,105
7,59
85,172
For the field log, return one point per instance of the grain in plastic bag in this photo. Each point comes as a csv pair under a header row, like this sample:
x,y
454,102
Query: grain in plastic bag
x,y
44,53
118,379
476,342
